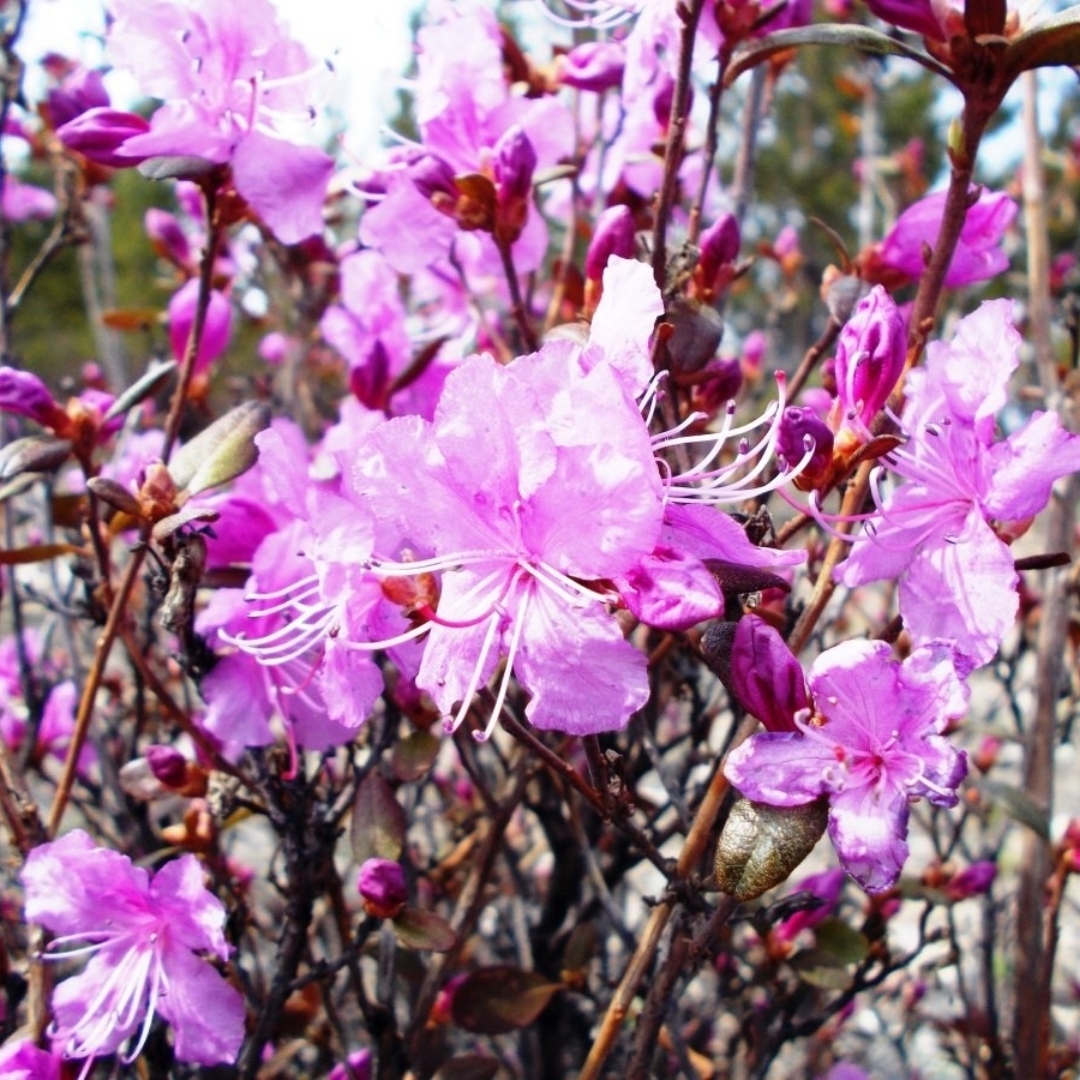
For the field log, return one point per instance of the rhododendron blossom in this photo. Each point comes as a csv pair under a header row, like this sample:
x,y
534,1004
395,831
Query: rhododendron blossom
x,y
940,531
871,743
142,933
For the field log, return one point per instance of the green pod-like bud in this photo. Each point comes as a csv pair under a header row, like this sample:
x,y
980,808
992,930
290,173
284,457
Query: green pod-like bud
x,y
761,844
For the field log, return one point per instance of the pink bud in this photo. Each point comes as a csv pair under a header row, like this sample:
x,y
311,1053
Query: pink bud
x,y
595,66
168,765
382,888
801,432
99,133
357,1066
215,336
914,15
274,347
614,235
765,676
81,91
870,355
167,237
719,246
25,394
513,162
431,175
974,880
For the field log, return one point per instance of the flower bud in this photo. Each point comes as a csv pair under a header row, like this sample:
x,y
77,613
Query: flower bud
x,y
382,888
98,134
168,765
614,235
760,845
513,163
216,330
766,678
433,177
25,394
974,880
82,90
594,65
719,246
357,1066
167,237
802,431
870,356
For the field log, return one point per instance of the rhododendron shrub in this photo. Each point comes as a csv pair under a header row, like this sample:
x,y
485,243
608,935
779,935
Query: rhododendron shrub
x,y
501,579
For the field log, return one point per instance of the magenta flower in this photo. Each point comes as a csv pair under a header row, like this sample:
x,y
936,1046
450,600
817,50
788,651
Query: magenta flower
x,y
382,887
143,933
20,1059
236,90
978,255
938,532
872,743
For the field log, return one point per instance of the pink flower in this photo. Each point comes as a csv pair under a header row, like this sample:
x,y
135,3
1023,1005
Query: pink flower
x,y
978,255
143,932
938,532
871,744
20,1059
236,90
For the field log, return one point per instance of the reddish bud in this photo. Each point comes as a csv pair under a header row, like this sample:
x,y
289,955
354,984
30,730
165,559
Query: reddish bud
x,y
719,246
870,355
99,133
765,676
803,432
168,765
614,235
25,394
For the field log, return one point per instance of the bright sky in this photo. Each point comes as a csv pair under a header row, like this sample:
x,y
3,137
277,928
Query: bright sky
x,y
368,44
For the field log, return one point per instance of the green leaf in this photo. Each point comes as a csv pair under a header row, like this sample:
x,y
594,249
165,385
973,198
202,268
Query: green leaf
x,y
414,755
378,821
149,384
416,929
495,1000
1017,804
1052,42
222,451
837,938
861,38
821,968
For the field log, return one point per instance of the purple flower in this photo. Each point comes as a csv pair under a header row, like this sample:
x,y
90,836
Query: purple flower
x,y
24,393
938,532
918,16
236,90
100,132
593,65
20,1059
872,743
978,255
80,91
143,932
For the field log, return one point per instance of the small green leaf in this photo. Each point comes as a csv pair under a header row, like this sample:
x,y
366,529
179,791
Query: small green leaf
x,y
495,1000
837,938
141,389
222,451
378,821
861,38
169,168
820,968
1017,804
416,929
414,755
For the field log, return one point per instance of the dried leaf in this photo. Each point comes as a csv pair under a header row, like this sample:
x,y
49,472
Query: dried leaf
x,y
115,495
378,821
414,755
495,1000
34,453
423,930
37,553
